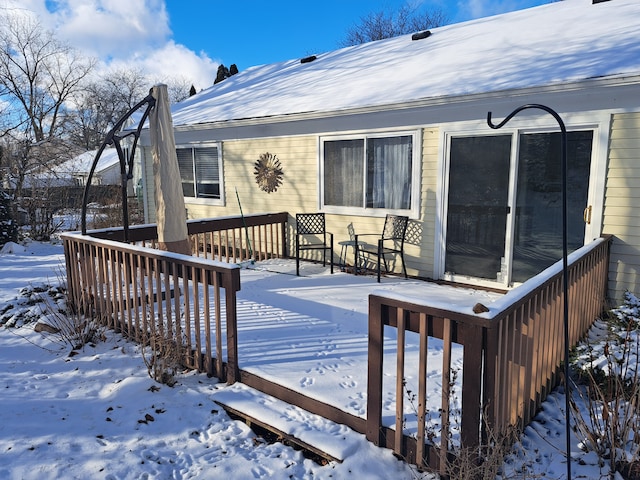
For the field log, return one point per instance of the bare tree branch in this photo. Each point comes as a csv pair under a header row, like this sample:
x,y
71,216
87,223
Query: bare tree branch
x,y
38,74
387,24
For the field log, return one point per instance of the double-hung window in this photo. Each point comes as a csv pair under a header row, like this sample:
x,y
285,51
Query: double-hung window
x,y
200,171
372,173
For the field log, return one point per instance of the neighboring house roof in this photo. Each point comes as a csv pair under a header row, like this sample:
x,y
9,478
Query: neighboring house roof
x,y
81,164
553,44
64,174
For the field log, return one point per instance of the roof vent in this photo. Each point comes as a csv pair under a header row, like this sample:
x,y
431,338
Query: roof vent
x,y
308,59
421,35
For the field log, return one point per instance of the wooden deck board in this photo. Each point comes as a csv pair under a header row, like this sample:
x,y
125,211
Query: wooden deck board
x,y
292,424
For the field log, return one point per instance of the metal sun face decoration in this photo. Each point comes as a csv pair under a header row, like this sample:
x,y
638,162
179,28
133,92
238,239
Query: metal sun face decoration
x,y
268,172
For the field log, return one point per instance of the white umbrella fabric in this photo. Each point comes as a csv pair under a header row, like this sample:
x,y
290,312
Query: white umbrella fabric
x,y
171,216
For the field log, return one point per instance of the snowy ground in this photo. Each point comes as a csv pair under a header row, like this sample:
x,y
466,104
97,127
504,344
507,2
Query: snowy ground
x,y
97,414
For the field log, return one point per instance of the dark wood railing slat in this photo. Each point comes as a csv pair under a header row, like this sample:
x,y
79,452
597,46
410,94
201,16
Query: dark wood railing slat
x,y
511,360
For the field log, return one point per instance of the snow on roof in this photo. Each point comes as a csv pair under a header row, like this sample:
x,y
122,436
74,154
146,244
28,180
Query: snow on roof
x,y
82,163
556,43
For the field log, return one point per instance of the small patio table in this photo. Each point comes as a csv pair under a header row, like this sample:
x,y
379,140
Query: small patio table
x,y
344,251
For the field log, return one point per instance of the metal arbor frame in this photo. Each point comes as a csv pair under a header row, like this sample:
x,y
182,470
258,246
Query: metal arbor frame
x,y
114,137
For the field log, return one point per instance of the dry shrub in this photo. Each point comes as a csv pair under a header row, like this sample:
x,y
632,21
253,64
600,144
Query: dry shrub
x,y
53,315
609,386
483,462
73,328
163,358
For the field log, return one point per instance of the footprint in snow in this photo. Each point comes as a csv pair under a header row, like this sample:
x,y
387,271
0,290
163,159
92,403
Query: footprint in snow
x,y
261,472
348,384
306,381
358,407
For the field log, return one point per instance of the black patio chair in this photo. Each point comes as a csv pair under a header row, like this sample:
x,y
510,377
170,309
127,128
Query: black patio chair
x,y
390,242
311,234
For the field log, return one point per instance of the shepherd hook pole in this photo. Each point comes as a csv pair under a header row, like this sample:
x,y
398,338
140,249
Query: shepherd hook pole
x,y
565,276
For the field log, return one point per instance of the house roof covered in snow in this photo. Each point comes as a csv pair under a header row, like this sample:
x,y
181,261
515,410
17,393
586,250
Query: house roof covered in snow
x,y
554,44
81,164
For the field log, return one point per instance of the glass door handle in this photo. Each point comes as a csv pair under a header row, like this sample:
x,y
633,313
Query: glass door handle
x,y
586,215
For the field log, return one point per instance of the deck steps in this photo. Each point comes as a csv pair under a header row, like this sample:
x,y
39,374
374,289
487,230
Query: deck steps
x,y
295,426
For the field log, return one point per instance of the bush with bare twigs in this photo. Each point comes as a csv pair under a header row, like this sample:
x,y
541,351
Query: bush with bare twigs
x,y
47,308
162,357
482,462
608,382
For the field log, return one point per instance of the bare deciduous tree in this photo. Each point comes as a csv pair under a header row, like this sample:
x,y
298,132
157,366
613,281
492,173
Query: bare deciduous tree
x,y
51,109
103,102
38,77
178,88
388,24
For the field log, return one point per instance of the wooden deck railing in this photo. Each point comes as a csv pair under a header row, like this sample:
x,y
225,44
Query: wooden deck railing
x,y
511,355
148,294
237,239
228,239
188,300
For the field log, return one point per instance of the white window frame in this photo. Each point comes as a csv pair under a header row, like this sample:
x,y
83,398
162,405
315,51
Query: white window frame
x,y
416,163
205,200
598,122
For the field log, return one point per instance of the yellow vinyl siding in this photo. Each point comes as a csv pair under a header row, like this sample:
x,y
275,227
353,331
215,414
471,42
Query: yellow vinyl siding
x,y
620,212
298,160
422,258
299,193
622,201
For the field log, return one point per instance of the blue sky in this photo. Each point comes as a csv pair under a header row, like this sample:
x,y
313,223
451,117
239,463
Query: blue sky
x,y
187,39
250,33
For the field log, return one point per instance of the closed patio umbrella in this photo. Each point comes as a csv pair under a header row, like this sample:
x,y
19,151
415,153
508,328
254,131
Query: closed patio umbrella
x,y
171,216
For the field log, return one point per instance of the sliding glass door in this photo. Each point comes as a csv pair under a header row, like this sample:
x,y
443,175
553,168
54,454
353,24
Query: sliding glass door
x,y
478,205
504,204
537,240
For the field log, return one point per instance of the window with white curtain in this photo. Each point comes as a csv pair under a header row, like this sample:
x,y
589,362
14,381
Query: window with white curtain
x,y
200,171
367,172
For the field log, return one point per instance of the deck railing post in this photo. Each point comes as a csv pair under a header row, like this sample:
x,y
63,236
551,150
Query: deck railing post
x,y
490,379
233,371
69,263
472,381
374,373
285,241
446,394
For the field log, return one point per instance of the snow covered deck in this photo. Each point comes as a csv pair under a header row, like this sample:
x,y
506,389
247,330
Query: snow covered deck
x,y
310,334
401,361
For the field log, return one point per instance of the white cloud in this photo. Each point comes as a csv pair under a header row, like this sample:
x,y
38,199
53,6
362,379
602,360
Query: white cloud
x,y
115,27
36,7
122,33
173,61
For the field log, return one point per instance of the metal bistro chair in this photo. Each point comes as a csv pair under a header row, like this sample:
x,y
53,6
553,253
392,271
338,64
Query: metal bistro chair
x,y
310,228
390,242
